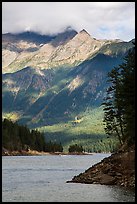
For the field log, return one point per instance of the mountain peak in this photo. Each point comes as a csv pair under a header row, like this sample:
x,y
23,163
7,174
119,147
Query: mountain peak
x,y
83,31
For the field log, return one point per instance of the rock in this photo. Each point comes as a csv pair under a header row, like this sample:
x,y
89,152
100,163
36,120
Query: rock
x,y
106,179
118,169
5,152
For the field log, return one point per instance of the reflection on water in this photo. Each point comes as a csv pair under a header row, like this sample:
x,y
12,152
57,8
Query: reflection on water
x,y
43,179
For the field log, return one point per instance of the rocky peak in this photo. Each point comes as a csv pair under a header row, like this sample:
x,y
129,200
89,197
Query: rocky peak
x,y
83,35
83,31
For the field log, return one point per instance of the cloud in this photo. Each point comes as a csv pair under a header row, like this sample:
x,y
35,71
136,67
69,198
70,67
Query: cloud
x,y
101,19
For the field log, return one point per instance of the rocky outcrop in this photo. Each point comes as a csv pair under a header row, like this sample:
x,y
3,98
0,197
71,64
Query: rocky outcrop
x,y
118,169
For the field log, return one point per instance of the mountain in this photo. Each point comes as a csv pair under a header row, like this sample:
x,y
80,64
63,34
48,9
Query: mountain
x,y
57,83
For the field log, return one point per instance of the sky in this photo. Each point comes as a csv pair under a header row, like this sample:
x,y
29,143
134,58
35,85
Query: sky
x,y
102,20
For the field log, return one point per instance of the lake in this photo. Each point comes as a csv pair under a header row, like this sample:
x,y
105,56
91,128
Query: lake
x,y
43,179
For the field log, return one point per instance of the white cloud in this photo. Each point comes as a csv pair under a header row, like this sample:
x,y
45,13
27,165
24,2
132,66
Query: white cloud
x,y
118,18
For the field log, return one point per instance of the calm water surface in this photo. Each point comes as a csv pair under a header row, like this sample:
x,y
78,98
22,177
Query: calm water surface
x,y
43,179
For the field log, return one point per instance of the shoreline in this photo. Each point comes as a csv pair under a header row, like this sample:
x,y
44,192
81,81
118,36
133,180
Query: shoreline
x,y
117,169
5,152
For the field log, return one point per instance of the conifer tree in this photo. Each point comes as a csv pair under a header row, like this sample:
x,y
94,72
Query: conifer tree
x,y
119,103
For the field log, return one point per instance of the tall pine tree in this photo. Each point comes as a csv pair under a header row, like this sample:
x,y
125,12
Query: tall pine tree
x,y
119,104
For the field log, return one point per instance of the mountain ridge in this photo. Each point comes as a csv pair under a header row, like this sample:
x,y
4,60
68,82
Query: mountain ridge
x,y
68,48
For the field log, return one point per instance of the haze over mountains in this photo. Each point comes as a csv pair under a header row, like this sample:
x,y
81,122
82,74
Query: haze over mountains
x,y
57,83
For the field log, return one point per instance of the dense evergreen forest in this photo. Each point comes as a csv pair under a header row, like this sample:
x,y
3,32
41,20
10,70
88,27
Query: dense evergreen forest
x,y
17,137
119,103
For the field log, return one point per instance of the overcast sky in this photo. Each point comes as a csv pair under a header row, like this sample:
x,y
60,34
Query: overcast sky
x,y
103,20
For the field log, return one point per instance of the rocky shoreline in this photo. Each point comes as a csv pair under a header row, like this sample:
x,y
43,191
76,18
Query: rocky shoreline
x,y
117,169
6,152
